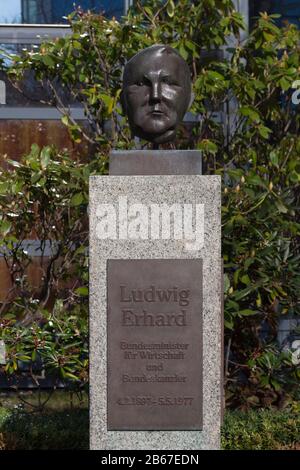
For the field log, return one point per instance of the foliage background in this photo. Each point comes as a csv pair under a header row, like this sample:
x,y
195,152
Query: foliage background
x,y
255,148
68,429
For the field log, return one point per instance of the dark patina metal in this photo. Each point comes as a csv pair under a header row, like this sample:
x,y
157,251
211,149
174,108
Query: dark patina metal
x,y
155,162
156,93
154,334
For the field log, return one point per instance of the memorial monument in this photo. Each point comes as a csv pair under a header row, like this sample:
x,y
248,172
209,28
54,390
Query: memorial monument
x,y
155,277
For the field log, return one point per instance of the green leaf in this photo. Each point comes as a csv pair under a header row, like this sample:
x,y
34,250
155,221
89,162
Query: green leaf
x,y
215,75
250,92
48,61
248,262
190,45
183,52
76,45
148,10
268,36
45,157
258,300
243,293
4,187
246,280
34,151
226,283
5,227
84,291
284,83
14,163
70,376
24,357
36,177
250,112
76,199
170,8
236,276
276,385
281,207
232,305
264,131
247,312
207,146
108,101
274,158
255,180
294,177
229,324
65,120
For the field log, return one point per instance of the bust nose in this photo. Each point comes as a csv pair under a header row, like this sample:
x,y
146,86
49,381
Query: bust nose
x,y
155,94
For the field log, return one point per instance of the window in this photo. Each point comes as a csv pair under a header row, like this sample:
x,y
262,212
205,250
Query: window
x,y
289,9
25,24
53,11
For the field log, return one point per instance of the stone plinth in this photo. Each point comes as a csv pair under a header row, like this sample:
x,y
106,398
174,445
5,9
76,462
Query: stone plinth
x,y
129,220
155,162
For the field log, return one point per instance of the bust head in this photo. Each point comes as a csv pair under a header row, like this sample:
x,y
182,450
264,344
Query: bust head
x,y
156,93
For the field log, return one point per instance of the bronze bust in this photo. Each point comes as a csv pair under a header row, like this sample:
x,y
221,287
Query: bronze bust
x,y
156,93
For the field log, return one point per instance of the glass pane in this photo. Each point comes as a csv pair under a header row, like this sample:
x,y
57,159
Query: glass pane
x,y
10,11
53,11
32,92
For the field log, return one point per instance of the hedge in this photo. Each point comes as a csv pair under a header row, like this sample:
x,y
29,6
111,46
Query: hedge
x,y
57,430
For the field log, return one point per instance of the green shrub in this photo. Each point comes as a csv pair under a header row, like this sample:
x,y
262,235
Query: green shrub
x,y
69,429
45,196
61,430
261,430
256,152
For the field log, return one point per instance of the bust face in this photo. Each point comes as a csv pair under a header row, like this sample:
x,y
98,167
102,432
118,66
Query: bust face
x,y
156,93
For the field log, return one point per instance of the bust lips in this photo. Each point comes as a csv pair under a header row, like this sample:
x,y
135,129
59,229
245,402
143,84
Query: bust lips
x,y
158,126
157,113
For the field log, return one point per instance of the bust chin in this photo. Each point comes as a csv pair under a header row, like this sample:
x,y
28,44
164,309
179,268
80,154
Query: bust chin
x,y
156,93
155,137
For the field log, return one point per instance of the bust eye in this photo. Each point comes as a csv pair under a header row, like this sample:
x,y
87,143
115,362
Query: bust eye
x,y
169,81
143,82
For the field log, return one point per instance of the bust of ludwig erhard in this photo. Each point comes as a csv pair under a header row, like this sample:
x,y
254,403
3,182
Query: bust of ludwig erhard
x,y
156,93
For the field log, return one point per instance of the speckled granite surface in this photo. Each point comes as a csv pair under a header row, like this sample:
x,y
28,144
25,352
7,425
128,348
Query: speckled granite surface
x,y
202,190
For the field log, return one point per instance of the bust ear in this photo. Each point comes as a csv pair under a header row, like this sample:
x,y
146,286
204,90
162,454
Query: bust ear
x,y
191,100
123,102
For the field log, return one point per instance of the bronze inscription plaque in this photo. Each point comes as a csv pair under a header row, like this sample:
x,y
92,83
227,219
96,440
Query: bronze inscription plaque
x,y
154,344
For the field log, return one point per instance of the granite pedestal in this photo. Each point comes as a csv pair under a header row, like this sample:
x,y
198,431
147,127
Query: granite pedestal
x,y
155,312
